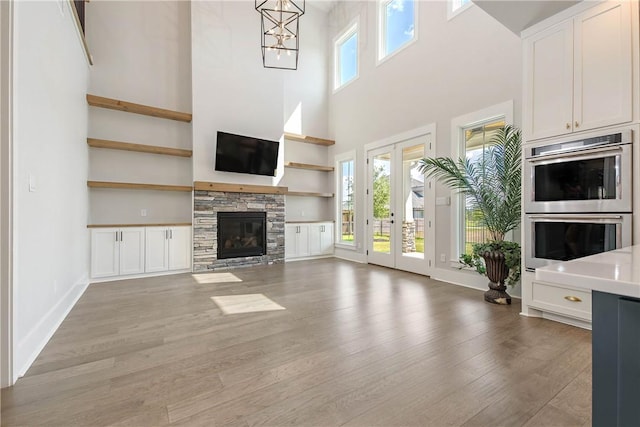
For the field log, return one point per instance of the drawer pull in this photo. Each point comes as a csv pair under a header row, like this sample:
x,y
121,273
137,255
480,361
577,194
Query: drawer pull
x,y
572,298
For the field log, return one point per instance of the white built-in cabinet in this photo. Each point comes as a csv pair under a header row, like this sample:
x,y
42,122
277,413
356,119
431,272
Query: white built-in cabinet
x,y
578,76
117,251
578,73
304,240
167,248
321,238
130,251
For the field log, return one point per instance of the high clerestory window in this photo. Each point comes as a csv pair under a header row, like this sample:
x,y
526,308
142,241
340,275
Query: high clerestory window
x,y
345,55
397,26
455,7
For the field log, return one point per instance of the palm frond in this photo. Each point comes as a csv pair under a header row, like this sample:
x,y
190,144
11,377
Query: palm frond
x,y
492,184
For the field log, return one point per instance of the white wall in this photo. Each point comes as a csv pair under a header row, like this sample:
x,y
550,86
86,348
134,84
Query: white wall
x,y
456,67
6,174
51,253
233,92
142,54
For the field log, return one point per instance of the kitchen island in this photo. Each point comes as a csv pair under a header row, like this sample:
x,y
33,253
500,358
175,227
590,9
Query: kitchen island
x,y
614,281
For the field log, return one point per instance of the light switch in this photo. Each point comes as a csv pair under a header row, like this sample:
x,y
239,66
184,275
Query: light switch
x,y
32,183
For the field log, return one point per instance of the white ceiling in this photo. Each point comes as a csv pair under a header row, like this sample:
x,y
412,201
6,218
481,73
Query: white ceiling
x,y
324,5
518,15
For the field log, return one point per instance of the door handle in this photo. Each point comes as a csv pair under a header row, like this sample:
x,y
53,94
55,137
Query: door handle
x,y
171,234
121,238
116,236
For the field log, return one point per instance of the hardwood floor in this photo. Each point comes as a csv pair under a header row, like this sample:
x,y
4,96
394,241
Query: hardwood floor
x,y
356,345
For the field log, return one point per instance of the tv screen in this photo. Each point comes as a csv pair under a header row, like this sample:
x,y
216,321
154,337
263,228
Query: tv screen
x,y
243,154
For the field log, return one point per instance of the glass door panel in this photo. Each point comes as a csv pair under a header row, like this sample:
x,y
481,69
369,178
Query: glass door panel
x,y
382,229
413,226
380,199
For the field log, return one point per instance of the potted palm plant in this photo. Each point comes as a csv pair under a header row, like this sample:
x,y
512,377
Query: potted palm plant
x,y
491,186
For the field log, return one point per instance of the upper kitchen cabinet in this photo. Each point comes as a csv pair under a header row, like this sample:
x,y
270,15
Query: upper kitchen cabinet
x,y
578,73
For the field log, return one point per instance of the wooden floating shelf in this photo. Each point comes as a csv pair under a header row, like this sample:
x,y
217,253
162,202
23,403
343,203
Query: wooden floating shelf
x,y
308,166
308,194
130,107
135,186
127,146
308,139
166,224
238,188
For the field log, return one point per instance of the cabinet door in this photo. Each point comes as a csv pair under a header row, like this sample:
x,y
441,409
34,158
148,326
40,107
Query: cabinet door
x,y
105,252
603,60
132,250
302,238
156,252
326,239
179,248
315,239
296,240
290,241
548,82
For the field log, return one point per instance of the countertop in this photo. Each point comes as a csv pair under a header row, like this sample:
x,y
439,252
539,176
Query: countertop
x,y
614,272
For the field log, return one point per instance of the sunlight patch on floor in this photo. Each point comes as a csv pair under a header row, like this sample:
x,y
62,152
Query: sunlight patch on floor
x,y
216,278
249,303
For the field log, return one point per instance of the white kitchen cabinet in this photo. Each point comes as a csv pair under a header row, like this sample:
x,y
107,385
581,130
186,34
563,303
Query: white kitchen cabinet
x,y
578,73
558,299
321,238
117,251
296,240
308,239
167,248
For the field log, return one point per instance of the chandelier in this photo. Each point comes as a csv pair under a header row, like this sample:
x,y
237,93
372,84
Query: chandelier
x,y
280,25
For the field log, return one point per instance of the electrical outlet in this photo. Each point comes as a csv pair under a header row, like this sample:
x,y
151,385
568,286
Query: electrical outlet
x,y
443,257
143,212
301,213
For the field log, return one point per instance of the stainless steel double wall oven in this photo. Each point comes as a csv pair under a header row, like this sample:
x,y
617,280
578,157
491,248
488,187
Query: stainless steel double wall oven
x,y
577,197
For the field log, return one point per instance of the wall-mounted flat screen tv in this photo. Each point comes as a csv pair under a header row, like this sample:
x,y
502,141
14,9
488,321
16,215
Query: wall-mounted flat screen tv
x,y
244,154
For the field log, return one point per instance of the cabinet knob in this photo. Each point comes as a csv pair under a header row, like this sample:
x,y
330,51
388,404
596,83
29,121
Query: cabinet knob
x,y
568,125
572,298
577,124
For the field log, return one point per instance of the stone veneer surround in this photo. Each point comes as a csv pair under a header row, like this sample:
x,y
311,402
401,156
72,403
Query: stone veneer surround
x,y
205,227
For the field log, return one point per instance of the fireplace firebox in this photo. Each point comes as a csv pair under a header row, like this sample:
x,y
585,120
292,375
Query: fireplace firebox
x,y
241,234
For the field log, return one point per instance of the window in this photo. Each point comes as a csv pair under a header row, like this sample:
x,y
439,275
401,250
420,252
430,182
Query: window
x,y
471,135
346,56
455,7
345,166
476,140
397,26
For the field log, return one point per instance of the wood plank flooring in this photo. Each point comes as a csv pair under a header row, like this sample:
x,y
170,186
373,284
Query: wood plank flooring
x,y
357,345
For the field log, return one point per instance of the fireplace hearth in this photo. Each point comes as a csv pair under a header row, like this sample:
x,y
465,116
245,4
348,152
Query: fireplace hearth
x,y
241,234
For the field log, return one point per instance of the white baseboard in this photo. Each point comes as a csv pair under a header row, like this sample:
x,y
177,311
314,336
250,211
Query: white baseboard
x,y
307,258
32,344
469,279
140,276
349,255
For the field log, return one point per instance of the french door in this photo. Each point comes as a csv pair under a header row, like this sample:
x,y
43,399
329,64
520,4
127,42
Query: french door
x,y
399,207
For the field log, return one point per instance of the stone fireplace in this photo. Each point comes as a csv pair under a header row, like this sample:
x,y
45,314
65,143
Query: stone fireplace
x,y
241,234
235,247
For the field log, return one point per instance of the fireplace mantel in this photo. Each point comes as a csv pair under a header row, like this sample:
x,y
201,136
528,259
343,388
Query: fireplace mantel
x,y
238,188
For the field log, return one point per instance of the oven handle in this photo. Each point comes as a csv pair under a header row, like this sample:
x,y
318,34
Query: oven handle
x,y
574,154
581,218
